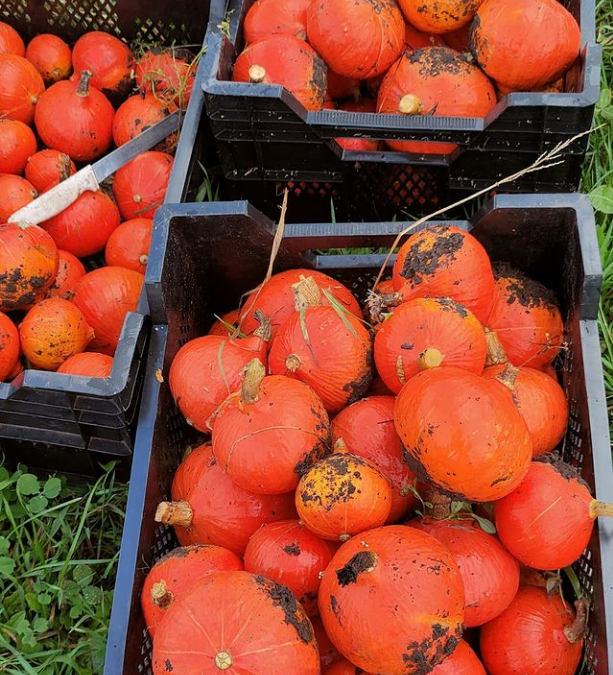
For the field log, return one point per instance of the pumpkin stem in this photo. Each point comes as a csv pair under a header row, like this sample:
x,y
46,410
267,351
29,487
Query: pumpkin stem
x,y
441,504
264,331
257,74
430,358
362,562
306,294
143,259
161,596
83,88
600,509
223,660
177,514
577,629
293,362
410,105
378,304
254,374
508,376
496,353
64,168
340,446
400,371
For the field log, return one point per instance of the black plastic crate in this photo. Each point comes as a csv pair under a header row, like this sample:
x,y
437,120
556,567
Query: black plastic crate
x,y
263,133
68,423
213,253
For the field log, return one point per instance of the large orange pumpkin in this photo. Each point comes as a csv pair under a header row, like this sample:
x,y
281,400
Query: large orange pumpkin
x,y
366,429
15,193
29,262
269,433
257,626
343,495
20,88
445,261
356,38
434,81
17,143
208,508
524,44
428,333
392,601
289,62
442,16
463,433
9,346
266,18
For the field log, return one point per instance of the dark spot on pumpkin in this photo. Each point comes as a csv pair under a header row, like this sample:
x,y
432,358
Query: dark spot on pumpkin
x,y
449,305
319,451
502,479
292,549
334,606
319,79
168,666
434,61
425,257
520,288
293,613
565,470
359,563
407,345
422,657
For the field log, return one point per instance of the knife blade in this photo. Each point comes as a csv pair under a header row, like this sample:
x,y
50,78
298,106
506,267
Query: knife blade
x,y
61,196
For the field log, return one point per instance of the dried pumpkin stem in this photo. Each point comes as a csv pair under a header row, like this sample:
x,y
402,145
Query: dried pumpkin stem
x,y
496,353
576,631
430,358
161,596
410,105
264,330
340,446
177,514
441,504
254,374
363,562
508,376
65,167
600,509
83,88
257,74
306,294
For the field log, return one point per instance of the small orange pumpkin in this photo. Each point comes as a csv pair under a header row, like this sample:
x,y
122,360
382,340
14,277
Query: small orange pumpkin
x,y
51,56
441,16
138,113
17,143
266,18
128,245
108,59
88,364
343,495
69,271
15,192
20,88
47,168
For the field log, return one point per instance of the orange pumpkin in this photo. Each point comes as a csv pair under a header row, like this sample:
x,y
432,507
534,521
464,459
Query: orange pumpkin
x,y
445,261
9,347
128,245
343,495
208,508
392,601
540,400
138,113
427,333
176,573
108,59
10,41
266,18
257,627
69,271
440,17
290,554
51,56
524,44
29,262
15,192
168,74
270,433
88,364
20,88
525,325
52,331
47,168
286,61
463,661
226,324
366,429
17,143
434,81
356,38
463,433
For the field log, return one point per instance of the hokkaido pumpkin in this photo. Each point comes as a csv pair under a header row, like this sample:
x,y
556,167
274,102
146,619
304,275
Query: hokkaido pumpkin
x,y
356,38
524,44
226,324
428,333
269,433
538,633
87,364
290,554
440,17
10,41
108,59
341,87
258,627
85,226
366,429
20,88
445,261
392,601
137,114
48,168
286,61
358,144
449,403
51,56
343,495
205,370
547,522
70,270
140,185
276,298
540,400
9,346
525,325
325,347
75,118
208,508
344,667
179,571
434,81
105,296
17,143
15,192
266,18
128,245
52,331
328,653
489,573
463,661
169,75
29,262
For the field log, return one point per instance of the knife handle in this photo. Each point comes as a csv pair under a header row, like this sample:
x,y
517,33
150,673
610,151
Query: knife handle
x,y
58,198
